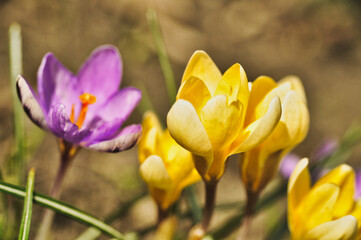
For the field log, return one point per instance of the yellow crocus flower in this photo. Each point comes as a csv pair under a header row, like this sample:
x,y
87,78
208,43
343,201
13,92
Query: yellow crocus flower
x,y
166,167
259,165
208,117
326,210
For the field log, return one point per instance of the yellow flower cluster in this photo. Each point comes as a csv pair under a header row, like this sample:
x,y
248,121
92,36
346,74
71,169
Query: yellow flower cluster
x,y
165,166
209,116
327,210
216,115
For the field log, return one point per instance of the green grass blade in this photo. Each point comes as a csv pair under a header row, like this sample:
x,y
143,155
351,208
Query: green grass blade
x,y
162,54
28,207
62,208
349,141
193,205
17,165
279,230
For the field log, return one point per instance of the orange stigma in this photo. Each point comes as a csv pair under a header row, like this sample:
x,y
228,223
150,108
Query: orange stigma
x,y
86,99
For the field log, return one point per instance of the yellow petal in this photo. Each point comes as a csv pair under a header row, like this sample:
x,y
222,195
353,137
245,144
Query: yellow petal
x,y
279,91
201,65
150,120
304,124
187,130
356,212
217,168
250,168
344,177
166,228
258,131
296,85
260,87
169,148
344,228
234,85
151,132
268,168
222,122
154,173
179,162
291,114
317,207
195,91
192,177
298,187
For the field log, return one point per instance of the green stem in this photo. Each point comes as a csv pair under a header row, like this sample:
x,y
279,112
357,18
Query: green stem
x,y
192,204
17,165
62,208
162,54
28,206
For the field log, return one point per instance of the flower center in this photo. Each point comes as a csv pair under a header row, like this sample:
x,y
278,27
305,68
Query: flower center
x,y
86,99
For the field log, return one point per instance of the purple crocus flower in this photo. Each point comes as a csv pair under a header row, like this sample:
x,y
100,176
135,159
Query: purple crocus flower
x,y
85,109
288,163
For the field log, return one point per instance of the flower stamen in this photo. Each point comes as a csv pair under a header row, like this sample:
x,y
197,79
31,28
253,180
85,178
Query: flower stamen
x,y
86,99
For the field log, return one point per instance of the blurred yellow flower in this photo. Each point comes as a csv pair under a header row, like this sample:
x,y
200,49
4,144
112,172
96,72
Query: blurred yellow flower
x,y
208,117
259,165
325,211
165,166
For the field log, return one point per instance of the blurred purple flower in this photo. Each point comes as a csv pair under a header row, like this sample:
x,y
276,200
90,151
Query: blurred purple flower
x,y
86,109
358,185
288,163
325,149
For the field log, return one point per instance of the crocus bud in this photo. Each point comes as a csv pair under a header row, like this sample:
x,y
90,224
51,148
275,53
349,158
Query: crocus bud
x,y
259,165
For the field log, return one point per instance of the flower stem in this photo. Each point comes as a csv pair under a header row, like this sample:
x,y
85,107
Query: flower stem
x,y
67,153
210,188
200,230
162,215
252,198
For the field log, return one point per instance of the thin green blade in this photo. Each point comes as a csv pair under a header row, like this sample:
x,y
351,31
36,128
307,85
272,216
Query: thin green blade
x,y
28,207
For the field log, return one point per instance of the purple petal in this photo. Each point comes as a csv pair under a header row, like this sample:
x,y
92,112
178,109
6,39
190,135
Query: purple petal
x,y
126,139
62,127
100,75
358,185
119,106
288,163
56,84
102,131
30,103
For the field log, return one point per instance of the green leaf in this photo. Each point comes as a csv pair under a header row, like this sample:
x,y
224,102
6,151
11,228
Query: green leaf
x,y
193,205
62,208
17,165
28,207
162,54
279,229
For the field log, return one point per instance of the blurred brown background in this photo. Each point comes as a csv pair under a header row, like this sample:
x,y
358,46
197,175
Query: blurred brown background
x,y
317,40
